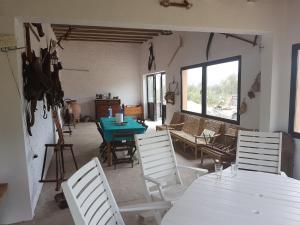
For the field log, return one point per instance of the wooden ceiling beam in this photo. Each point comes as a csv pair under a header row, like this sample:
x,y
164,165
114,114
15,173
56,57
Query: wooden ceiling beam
x,y
60,26
107,34
104,40
104,37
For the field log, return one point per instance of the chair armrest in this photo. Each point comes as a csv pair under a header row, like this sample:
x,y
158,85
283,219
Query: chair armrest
x,y
283,174
146,206
199,170
157,182
229,135
209,139
214,136
174,126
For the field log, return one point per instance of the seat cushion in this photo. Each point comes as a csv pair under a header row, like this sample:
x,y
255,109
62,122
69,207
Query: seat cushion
x,y
187,137
161,127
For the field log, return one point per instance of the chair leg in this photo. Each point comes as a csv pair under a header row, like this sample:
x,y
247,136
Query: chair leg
x,y
75,162
44,163
56,167
62,157
196,152
201,157
70,131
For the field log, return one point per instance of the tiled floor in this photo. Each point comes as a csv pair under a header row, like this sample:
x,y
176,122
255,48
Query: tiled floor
x,y
126,182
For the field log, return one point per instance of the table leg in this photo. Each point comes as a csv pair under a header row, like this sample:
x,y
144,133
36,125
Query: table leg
x,y
109,156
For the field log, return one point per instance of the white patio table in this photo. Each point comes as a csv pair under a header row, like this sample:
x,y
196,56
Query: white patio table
x,y
249,198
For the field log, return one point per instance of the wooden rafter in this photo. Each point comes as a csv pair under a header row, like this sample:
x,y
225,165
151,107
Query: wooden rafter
x,y
106,36
105,40
113,34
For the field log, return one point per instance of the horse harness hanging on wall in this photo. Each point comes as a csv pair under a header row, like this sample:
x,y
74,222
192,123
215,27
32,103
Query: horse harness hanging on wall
x,y
38,80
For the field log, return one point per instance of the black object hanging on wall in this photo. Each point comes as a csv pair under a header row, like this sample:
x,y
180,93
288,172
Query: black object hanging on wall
x,y
151,60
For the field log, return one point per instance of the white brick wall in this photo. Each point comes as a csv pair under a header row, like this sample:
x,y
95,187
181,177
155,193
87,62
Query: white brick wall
x,y
113,67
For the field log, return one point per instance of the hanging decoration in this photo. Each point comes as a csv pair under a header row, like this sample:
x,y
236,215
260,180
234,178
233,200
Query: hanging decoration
x,y
172,91
151,60
211,36
184,4
210,39
176,51
255,86
243,107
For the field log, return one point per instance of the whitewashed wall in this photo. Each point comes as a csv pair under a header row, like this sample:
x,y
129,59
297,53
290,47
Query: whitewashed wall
x,y
42,131
112,67
290,35
16,204
235,16
194,52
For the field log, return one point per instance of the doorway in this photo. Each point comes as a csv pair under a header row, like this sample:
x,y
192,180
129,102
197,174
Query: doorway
x,y
156,89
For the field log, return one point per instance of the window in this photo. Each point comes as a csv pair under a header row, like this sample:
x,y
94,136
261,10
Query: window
x,y
294,117
191,90
212,89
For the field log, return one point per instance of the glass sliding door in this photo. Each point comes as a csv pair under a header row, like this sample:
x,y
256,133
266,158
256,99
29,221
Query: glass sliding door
x,y
164,103
150,96
156,89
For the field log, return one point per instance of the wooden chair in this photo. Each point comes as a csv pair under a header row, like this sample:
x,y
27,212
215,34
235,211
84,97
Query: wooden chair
x,y
103,145
123,142
91,200
176,122
224,151
259,151
142,122
159,166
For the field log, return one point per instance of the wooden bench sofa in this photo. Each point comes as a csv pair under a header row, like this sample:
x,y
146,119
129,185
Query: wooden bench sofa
x,y
197,132
211,137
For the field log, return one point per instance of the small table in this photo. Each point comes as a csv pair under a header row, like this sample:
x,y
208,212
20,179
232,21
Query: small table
x,y
3,190
250,198
110,126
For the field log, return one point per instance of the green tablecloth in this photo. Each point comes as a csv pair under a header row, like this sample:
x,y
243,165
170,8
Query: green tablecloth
x,y
110,127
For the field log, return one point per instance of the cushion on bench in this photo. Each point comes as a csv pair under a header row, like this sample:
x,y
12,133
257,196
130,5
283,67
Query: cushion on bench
x,y
187,137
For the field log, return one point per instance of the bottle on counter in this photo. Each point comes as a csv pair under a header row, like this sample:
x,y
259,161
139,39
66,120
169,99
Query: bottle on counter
x,y
109,112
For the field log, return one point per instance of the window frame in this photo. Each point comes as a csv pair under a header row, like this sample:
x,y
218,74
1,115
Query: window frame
x,y
293,89
204,66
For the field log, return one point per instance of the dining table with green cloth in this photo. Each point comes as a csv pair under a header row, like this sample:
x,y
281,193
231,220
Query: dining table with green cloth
x,y
110,127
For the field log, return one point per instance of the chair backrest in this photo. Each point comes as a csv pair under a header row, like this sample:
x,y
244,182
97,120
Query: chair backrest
x,y
259,151
213,125
157,157
178,117
90,198
120,137
99,128
192,125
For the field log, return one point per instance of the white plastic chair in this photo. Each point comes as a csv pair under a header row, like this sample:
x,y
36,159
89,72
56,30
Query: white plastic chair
x,y
259,151
159,166
91,201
